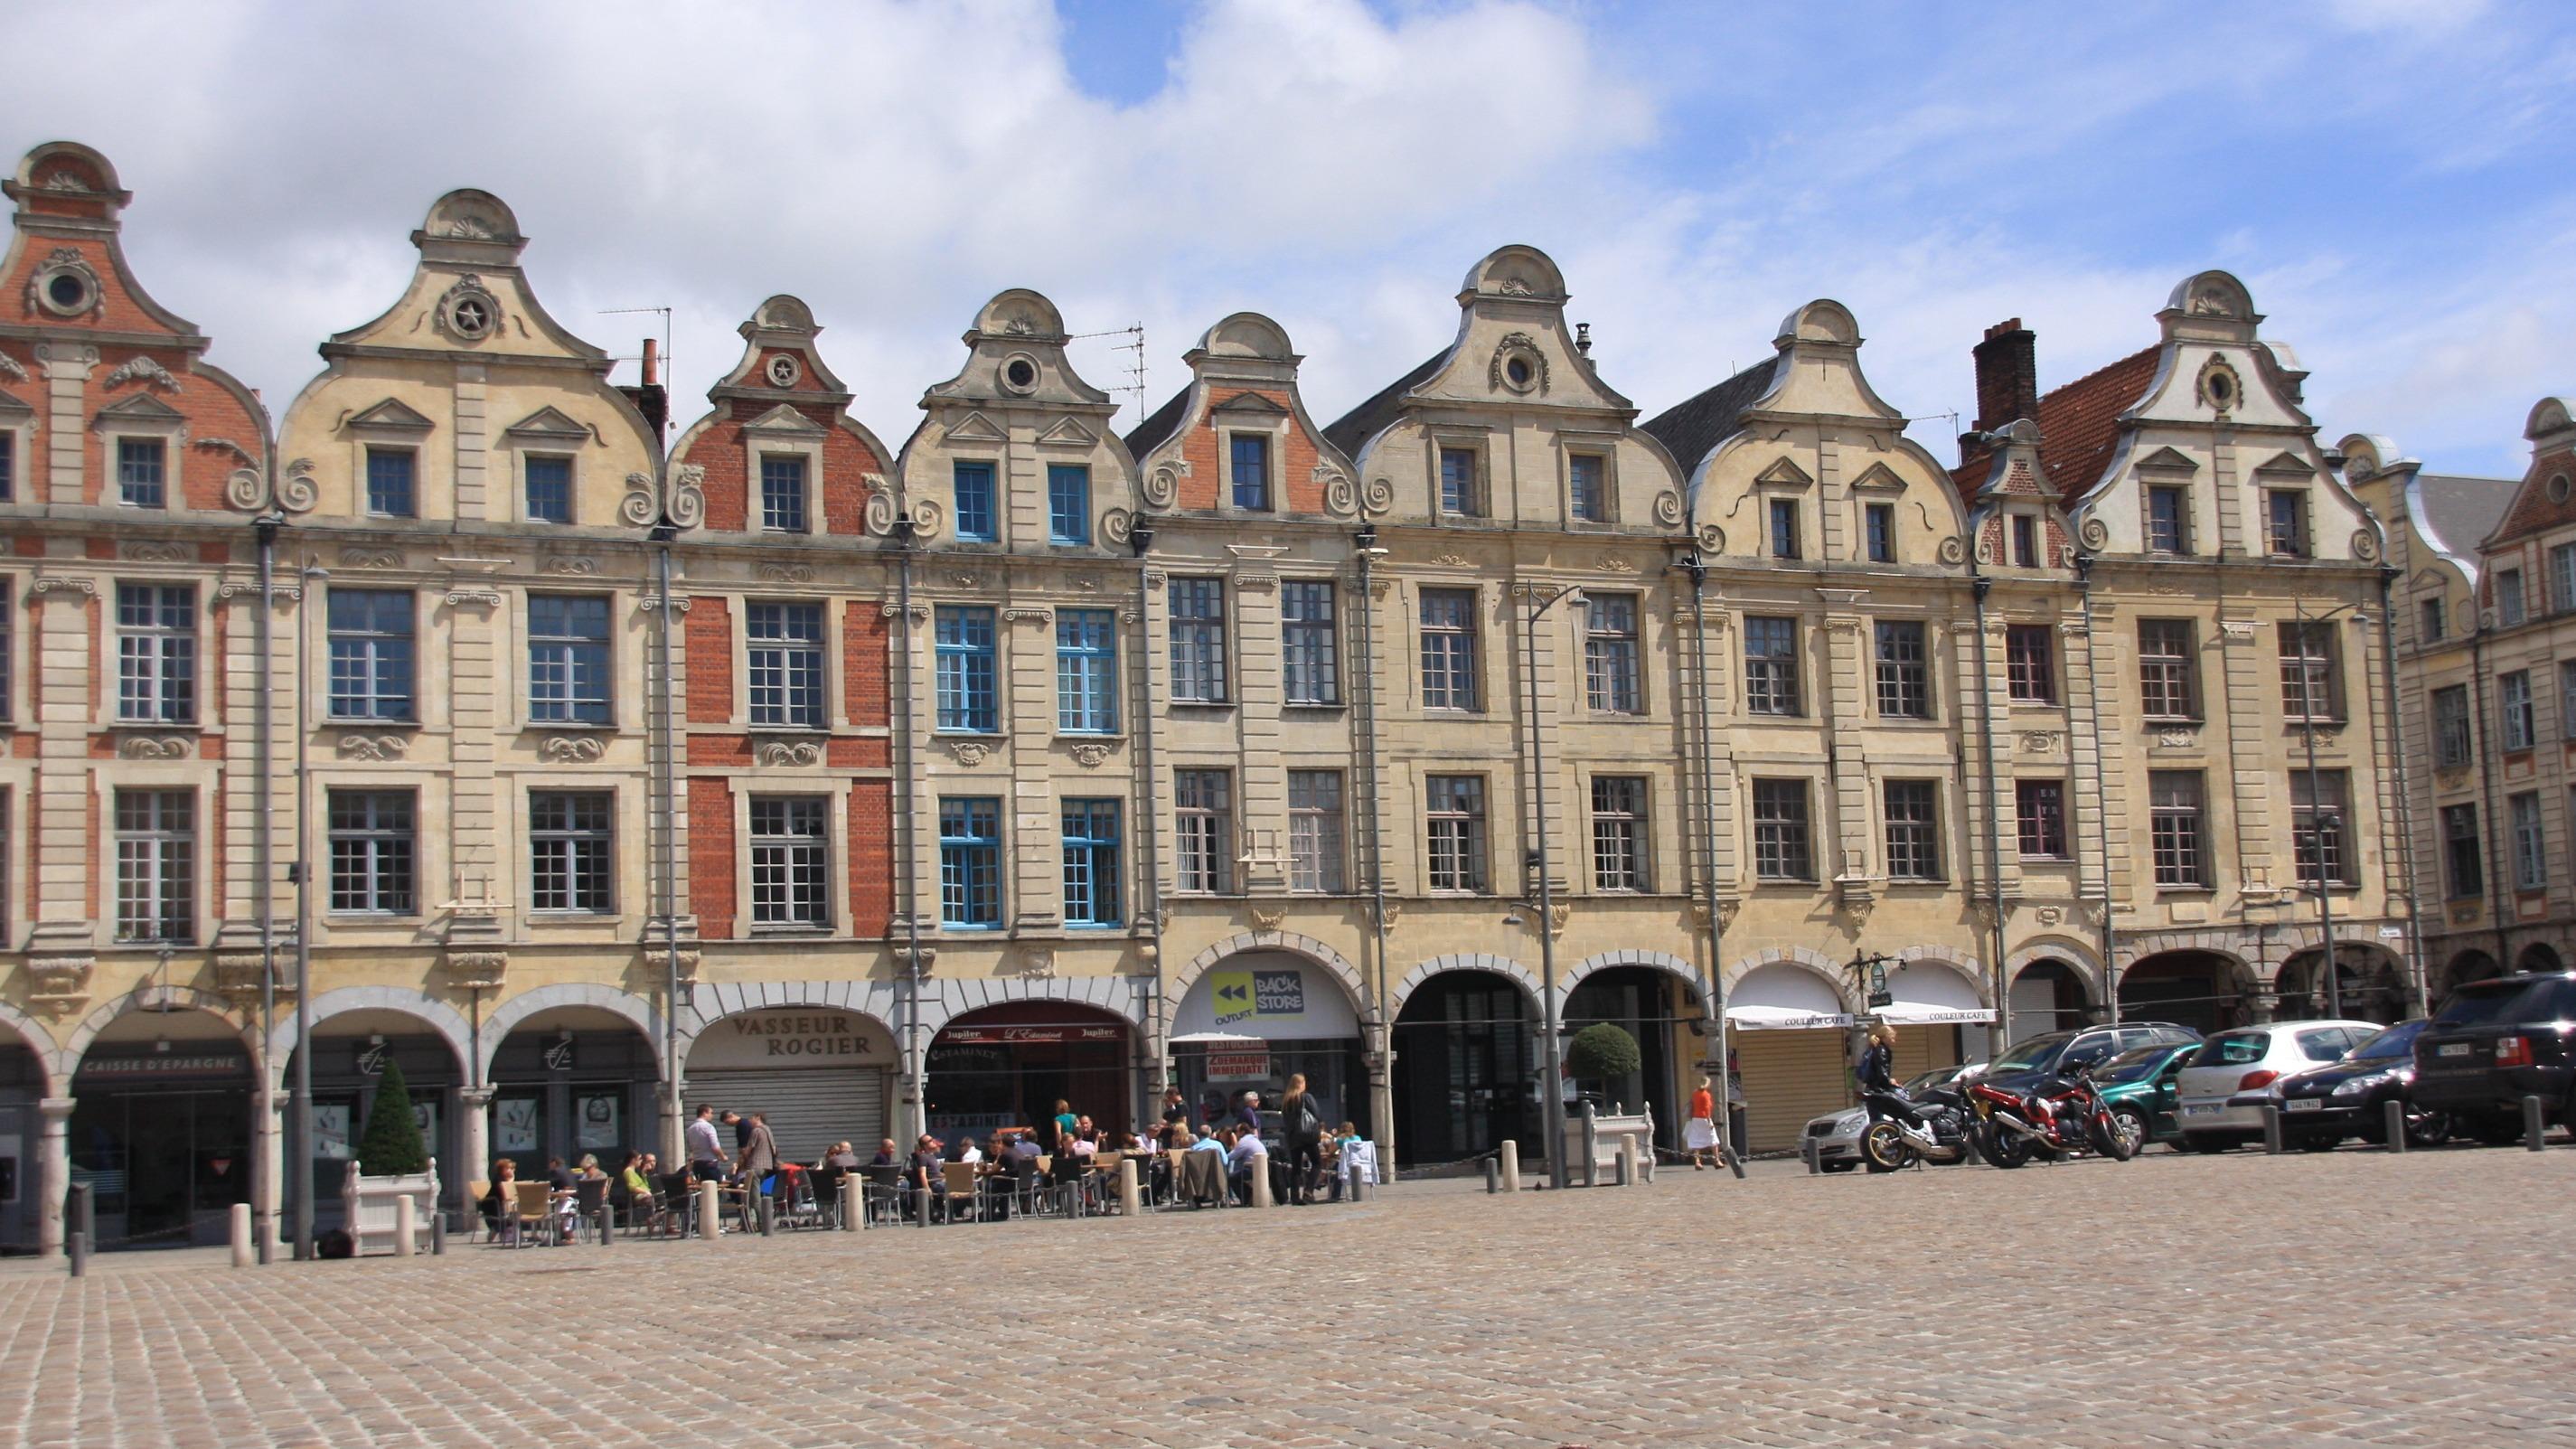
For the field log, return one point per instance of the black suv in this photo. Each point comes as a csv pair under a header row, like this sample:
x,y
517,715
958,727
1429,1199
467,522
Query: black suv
x,y
2033,1060
2494,1043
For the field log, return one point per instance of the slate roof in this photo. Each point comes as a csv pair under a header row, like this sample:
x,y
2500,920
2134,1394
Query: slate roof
x,y
1155,430
1690,429
2461,511
1361,423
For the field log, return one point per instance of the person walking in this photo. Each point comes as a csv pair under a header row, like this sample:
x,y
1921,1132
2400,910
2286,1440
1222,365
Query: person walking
x,y
1301,1131
759,1160
1700,1133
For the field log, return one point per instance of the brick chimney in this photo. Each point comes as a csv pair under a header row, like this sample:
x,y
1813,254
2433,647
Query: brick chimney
x,y
2007,375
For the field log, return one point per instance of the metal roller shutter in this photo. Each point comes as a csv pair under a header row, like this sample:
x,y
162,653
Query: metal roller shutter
x,y
1789,1076
1921,1048
809,1108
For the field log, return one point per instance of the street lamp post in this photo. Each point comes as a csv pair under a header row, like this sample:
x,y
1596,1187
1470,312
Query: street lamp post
x,y
2309,690
1554,1093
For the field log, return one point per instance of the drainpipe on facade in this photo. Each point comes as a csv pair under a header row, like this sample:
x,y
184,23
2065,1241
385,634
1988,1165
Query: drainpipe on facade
x,y
2101,813
2405,806
906,1127
1382,1097
668,798
2494,864
1149,896
1713,993
314,575
2000,1035
264,837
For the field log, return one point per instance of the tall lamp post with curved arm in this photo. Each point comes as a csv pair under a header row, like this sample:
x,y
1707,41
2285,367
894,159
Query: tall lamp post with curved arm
x,y
2312,698
1553,1090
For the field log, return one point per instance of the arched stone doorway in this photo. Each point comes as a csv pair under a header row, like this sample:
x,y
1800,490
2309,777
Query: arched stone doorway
x,y
818,1074
566,1080
2464,968
1792,1033
2539,957
2198,989
352,1047
161,1126
1007,1066
23,1086
2048,995
1669,1020
1939,1014
1466,1066
2300,991
1252,1019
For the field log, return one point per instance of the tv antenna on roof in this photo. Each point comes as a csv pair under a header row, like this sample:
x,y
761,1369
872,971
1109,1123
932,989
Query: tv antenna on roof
x,y
1134,346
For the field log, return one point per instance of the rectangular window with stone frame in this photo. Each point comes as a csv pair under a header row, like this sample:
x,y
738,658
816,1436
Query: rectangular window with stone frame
x,y
2451,738
1610,676
962,646
1091,863
568,674
1454,832
1309,643
1904,670
782,493
783,650
1583,472
2177,830
1068,503
971,493
1198,640
1878,529
373,854
8,466
1782,847
1449,649
1461,490
2025,541
2320,832
2530,848
547,479
1203,831
970,862
1912,810
2433,620
8,658
142,473
2462,854
2030,663
2311,675
2168,520
2562,578
1770,666
2168,673
1619,838
572,851
1315,832
2513,700
2040,818
389,481
371,645
1784,529
156,866
1086,671
1249,457
156,653
2285,532
2508,598
791,862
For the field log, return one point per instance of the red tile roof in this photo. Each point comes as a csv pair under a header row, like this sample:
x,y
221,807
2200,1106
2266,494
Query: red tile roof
x,y
2079,425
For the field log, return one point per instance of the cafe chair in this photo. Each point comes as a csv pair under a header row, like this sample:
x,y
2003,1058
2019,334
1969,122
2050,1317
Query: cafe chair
x,y
532,1216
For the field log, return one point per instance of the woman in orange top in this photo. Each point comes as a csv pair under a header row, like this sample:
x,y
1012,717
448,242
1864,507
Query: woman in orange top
x,y
1700,1134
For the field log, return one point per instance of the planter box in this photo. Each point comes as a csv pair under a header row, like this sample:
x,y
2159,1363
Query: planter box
x,y
368,1205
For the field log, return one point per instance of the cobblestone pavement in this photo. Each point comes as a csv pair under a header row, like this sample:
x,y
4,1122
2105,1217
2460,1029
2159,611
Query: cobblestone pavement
x,y
2241,1301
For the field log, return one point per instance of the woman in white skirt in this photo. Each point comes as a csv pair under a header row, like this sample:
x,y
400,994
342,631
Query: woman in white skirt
x,y
1700,1134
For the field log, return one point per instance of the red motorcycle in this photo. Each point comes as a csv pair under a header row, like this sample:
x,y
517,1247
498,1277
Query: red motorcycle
x,y
2065,1119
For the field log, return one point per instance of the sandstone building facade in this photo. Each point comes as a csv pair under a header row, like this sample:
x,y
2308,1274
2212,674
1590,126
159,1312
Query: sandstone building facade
x,y
902,788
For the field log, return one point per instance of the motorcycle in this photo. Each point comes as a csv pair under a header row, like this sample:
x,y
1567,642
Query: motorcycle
x,y
2064,1119
1933,1127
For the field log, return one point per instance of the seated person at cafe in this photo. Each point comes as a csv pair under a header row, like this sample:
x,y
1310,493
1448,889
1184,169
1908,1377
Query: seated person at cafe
x,y
885,1155
926,1174
968,1152
1246,1157
1025,1145
500,1210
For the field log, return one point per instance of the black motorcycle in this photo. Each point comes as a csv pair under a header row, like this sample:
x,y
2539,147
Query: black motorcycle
x,y
1933,1126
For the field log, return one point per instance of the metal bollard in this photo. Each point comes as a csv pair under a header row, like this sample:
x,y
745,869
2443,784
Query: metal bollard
x,y
1511,1155
1358,1182
76,1222
1619,1167
921,1207
242,1255
1591,1147
2272,1130
438,1232
406,1225
1493,1175
2535,1123
710,1212
607,1224
1807,1150
2393,1113
768,1215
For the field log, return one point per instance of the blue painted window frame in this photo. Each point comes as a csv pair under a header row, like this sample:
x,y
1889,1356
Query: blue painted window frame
x,y
963,644
972,491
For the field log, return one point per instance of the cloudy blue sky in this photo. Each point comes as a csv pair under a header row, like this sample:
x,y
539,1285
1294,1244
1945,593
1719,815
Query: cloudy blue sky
x,y
2391,177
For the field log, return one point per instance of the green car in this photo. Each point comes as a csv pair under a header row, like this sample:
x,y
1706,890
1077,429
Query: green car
x,y
2138,1087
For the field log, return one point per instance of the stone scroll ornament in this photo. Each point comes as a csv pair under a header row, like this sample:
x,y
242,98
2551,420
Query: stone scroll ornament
x,y
884,508
686,507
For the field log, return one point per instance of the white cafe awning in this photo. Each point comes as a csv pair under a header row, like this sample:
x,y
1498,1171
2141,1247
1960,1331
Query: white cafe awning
x,y
1782,997
1929,993
1783,1018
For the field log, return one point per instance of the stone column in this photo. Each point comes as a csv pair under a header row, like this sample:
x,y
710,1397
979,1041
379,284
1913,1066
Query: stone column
x,y
474,1141
53,1174
268,1161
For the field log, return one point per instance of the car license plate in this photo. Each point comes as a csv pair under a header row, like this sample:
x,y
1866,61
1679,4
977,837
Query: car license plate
x,y
2304,1104
2455,1049
2205,1109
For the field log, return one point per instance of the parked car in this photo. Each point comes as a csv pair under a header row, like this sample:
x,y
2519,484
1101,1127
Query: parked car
x,y
2494,1043
2322,1106
1938,1077
2138,1087
1837,1138
2224,1087
2032,1060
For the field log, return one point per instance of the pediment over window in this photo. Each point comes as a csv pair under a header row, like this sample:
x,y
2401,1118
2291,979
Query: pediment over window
x,y
2288,463
391,415
1069,432
141,408
2169,458
1878,479
974,428
548,425
2429,579
1785,473
783,420
1250,404
10,407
